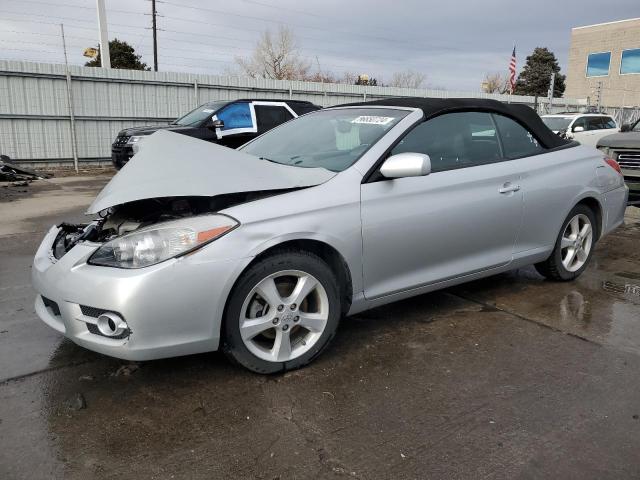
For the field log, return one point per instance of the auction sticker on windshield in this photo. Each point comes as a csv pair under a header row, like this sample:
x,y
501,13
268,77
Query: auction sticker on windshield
x,y
372,120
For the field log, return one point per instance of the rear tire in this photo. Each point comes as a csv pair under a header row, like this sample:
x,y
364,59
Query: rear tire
x,y
282,313
574,246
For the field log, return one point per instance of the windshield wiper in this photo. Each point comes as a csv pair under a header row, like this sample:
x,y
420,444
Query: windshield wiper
x,y
268,159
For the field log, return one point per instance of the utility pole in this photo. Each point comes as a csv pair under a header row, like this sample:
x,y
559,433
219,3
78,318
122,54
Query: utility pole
x,y
155,35
74,148
598,94
104,37
551,87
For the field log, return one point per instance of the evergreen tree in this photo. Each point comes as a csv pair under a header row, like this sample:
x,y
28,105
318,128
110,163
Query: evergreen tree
x,y
535,76
122,56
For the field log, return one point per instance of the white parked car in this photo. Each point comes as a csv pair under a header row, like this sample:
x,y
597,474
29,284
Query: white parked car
x,y
586,128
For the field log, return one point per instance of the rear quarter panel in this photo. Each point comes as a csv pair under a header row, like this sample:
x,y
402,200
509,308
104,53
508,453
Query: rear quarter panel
x,y
553,183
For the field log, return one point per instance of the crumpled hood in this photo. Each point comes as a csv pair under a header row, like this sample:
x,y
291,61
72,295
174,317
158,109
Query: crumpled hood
x,y
621,140
174,165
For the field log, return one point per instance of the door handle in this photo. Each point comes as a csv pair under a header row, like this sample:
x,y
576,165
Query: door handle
x,y
509,187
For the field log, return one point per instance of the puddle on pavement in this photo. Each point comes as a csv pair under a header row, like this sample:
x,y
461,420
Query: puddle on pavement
x,y
602,305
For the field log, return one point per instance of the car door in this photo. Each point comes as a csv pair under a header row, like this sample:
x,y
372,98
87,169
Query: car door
x,y
593,130
270,115
580,136
239,124
549,184
461,218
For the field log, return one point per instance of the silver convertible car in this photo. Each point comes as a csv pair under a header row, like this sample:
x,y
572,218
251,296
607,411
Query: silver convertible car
x,y
261,251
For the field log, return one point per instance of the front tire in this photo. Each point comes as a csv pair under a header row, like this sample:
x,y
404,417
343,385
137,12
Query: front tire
x,y
573,248
282,313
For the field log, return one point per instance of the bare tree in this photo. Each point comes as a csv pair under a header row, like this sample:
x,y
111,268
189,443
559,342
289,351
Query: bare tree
x,y
495,83
276,56
321,77
349,78
408,79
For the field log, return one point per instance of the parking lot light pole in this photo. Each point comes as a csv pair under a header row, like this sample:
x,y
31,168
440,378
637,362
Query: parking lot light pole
x,y
104,36
74,144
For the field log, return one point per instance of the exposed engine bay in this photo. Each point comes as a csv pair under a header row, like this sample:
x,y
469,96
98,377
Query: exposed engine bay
x,y
122,219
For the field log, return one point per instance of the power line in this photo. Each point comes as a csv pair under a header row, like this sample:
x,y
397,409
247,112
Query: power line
x,y
73,19
25,32
350,33
49,4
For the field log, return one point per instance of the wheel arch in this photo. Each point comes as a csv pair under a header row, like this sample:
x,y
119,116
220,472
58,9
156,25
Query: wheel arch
x,y
322,249
596,207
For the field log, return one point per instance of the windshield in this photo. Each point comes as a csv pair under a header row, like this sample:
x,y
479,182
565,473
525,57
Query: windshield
x,y
557,123
197,116
331,139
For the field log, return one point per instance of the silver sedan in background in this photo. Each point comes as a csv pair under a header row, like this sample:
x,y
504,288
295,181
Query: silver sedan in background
x,y
262,251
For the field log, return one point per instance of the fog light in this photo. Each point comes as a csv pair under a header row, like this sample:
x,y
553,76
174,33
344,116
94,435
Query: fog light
x,y
111,324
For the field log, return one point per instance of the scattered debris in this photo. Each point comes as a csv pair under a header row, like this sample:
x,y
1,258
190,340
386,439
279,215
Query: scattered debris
x,y
126,370
11,172
85,378
76,403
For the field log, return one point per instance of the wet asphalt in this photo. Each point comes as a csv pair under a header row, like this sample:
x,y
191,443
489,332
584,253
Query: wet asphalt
x,y
507,377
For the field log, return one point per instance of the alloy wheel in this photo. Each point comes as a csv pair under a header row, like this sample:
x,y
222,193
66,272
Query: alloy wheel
x,y
284,315
576,242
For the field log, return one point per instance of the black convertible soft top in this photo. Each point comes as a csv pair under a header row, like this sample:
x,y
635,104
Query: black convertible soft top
x,y
432,107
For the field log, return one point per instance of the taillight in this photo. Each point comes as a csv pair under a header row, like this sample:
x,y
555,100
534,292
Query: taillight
x,y
613,164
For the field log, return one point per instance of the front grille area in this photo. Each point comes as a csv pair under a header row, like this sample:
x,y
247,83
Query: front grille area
x,y
121,140
628,159
55,309
92,312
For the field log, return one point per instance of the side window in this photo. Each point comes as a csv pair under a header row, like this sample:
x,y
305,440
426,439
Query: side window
x,y
454,140
580,122
609,122
517,141
269,116
236,115
594,123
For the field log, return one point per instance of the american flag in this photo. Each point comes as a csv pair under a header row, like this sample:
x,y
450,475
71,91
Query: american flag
x,y
512,71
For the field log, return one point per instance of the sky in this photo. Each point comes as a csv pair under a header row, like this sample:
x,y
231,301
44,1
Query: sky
x,y
453,43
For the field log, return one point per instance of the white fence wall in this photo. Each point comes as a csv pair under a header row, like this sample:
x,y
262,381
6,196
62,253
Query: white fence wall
x,y
35,121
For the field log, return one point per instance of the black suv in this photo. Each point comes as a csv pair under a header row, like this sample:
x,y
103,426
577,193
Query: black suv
x,y
228,123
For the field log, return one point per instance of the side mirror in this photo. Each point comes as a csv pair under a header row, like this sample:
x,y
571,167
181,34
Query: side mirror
x,y
216,124
577,129
407,164
626,127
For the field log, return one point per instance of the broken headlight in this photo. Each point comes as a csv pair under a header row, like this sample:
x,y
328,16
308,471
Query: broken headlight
x,y
162,241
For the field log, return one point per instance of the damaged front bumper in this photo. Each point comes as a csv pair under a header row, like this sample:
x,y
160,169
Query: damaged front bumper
x,y
172,308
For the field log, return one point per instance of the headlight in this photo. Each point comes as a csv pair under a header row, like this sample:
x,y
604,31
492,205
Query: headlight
x,y
136,142
605,150
135,139
162,241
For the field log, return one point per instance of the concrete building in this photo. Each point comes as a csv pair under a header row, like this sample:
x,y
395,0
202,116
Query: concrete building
x,y
604,62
